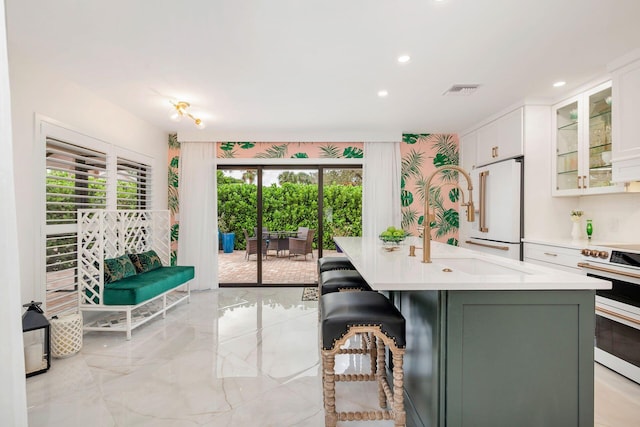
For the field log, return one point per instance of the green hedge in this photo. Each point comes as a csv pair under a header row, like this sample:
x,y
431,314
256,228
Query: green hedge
x,y
289,207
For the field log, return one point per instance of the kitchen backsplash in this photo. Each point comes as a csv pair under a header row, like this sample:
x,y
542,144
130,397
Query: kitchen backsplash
x,y
616,217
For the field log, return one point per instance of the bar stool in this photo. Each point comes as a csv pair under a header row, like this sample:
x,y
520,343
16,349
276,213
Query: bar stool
x,y
346,314
344,281
341,280
328,263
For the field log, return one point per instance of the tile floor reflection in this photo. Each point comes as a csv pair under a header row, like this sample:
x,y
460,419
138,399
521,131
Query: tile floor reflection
x,y
233,357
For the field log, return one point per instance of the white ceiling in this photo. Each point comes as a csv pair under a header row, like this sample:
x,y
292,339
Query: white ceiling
x,y
310,66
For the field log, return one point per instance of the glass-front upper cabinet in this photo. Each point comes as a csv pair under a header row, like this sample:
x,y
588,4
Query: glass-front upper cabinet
x,y
567,176
582,144
599,136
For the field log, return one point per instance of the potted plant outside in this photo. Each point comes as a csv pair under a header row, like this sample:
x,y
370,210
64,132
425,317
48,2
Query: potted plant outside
x,y
225,227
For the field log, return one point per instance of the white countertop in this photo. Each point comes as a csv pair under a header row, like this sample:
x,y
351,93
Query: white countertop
x,y
470,270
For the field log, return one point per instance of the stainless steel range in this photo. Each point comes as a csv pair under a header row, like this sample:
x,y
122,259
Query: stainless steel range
x,y
617,309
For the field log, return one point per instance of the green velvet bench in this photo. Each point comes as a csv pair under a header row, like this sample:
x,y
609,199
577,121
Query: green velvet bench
x,y
146,286
139,286
123,269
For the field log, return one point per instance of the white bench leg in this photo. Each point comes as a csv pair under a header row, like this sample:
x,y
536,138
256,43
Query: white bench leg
x,y
164,306
128,324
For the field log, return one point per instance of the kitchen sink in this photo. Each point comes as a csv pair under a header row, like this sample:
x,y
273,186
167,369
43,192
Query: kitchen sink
x,y
475,266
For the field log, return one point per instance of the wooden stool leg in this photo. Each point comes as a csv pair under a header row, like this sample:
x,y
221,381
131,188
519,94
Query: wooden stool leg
x,y
380,359
400,415
373,345
329,389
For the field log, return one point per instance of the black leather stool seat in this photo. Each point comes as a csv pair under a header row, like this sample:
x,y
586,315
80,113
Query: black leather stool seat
x,y
329,263
336,280
342,310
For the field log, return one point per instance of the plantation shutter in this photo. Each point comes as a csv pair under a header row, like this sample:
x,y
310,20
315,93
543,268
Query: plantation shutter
x,y
133,184
76,178
85,174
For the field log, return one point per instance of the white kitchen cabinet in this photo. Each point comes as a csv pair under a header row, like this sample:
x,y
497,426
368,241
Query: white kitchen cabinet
x,y
626,122
468,151
582,136
468,163
558,257
500,139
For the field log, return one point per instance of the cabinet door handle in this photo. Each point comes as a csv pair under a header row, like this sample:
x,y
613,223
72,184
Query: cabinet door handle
x,y
496,151
579,186
584,181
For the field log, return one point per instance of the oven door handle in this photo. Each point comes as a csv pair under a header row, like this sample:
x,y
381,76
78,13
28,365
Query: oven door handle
x,y
607,270
617,315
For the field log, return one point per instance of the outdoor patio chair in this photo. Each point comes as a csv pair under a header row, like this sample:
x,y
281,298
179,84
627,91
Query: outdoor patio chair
x,y
302,246
265,231
252,245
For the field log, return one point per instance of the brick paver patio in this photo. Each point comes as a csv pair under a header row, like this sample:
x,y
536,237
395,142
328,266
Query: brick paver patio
x,y
234,268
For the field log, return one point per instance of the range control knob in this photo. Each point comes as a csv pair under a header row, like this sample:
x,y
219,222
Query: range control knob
x,y
585,252
603,254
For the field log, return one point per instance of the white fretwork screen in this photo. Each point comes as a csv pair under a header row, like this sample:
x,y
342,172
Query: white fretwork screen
x,y
110,233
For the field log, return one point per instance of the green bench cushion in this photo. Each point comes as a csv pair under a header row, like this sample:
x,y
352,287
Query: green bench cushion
x,y
118,268
144,286
145,261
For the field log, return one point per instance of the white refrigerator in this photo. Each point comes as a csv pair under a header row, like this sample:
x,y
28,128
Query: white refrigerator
x,y
498,225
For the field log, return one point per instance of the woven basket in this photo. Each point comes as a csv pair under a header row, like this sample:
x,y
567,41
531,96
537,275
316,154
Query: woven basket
x,y
66,335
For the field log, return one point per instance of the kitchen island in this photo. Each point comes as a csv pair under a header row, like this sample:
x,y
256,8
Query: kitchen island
x,y
490,341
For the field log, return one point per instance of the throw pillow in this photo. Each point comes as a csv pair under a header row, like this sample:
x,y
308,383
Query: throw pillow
x,y
146,261
118,268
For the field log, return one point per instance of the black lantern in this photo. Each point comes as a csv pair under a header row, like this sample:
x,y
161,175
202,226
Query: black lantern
x,y
36,335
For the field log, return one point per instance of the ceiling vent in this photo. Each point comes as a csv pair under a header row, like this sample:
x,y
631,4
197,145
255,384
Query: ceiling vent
x,y
461,90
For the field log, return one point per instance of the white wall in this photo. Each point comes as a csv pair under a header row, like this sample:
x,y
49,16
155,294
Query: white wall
x,y
545,217
13,396
35,90
616,217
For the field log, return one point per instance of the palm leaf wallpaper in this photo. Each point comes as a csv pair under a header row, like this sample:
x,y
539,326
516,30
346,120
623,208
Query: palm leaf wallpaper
x,y
173,200
421,154
281,150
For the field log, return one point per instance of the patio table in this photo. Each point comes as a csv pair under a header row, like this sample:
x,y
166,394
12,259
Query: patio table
x,y
279,240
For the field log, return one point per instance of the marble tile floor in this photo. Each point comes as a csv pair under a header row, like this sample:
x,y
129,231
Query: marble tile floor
x,y
233,357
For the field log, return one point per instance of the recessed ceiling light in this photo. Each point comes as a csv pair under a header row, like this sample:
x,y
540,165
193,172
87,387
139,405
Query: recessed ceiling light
x,y
383,93
404,59
559,84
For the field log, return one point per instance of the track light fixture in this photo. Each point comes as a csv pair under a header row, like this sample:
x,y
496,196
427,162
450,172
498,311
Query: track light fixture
x,y
179,111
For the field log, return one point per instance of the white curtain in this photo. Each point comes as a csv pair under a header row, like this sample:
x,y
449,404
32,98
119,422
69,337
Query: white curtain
x,y
13,395
198,241
381,192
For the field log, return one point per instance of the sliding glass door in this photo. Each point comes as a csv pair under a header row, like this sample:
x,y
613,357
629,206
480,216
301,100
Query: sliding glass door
x,y
283,219
290,224
238,250
342,204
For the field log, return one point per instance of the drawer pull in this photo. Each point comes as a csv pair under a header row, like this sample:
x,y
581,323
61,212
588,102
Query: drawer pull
x,y
550,254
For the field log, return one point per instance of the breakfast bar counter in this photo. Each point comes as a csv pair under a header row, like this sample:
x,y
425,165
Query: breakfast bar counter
x,y
490,341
